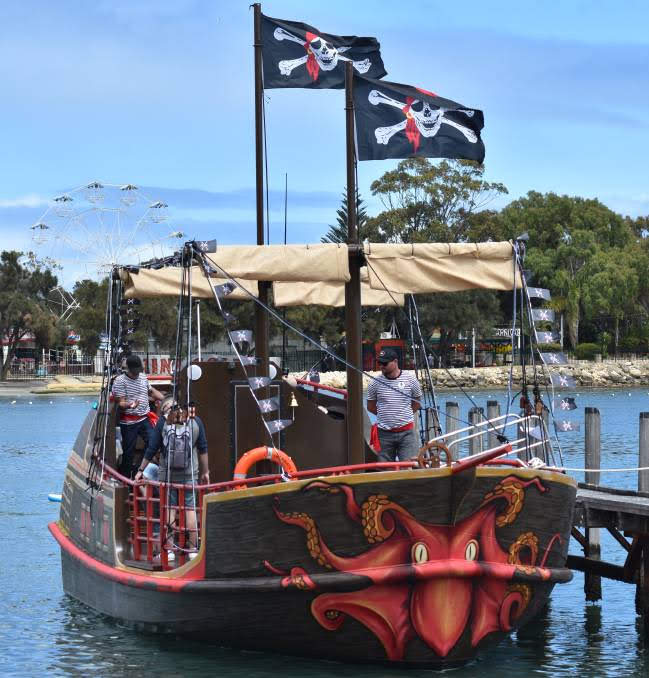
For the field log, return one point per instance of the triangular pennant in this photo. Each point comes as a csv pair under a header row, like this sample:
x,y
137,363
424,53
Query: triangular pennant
x,y
248,360
547,337
527,274
538,293
224,289
128,311
258,382
268,405
277,425
565,404
206,246
553,358
240,336
542,315
130,330
130,302
562,381
566,425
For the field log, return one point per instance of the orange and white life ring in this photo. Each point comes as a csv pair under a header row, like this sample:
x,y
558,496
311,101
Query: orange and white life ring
x,y
251,457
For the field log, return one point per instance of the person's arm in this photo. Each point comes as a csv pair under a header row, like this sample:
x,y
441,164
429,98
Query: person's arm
x,y
203,459
155,393
371,406
416,393
372,396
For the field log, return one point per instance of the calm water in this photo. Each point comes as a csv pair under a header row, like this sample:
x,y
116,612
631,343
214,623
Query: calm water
x,y
43,631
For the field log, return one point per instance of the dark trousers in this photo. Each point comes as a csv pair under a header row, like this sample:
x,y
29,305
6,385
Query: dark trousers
x,y
130,433
395,444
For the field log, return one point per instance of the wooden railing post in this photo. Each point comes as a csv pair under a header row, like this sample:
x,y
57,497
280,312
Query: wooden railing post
x,y
476,416
592,582
493,411
452,424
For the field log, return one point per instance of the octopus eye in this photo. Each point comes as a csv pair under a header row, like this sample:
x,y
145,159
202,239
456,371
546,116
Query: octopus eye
x,y
471,550
332,614
419,553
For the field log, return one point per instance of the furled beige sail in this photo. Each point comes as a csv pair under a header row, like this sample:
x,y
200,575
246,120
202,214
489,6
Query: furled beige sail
x,y
441,267
316,274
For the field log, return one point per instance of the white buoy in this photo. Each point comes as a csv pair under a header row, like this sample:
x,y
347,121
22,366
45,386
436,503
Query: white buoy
x,y
52,496
13,402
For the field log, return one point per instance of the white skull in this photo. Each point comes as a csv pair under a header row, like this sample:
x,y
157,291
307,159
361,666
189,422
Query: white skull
x,y
325,53
428,119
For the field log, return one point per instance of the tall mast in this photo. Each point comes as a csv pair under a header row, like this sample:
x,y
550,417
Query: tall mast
x,y
261,317
355,440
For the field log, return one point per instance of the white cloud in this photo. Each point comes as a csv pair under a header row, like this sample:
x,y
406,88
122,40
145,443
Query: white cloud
x,y
30,200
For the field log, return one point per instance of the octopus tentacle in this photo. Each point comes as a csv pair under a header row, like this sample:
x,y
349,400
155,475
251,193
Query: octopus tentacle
x,y
511,489
526,540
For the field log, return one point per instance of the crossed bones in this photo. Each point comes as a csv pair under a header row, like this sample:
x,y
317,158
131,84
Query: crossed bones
x,y
428,120
324,52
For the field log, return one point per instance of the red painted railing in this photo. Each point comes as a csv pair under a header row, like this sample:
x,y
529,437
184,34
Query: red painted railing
x,y
159,527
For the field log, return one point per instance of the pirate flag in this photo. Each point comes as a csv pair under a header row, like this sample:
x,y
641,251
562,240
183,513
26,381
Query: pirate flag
x,y
565,404
298,55
400,121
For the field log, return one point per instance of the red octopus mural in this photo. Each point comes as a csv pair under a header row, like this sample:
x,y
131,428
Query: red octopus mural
x,y
454,574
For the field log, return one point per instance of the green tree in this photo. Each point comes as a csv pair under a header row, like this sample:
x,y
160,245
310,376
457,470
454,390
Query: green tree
x,y
569,236
24,286
427,202
338,232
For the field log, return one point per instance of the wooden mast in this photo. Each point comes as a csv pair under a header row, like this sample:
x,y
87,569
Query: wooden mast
x,y
355,440
261,317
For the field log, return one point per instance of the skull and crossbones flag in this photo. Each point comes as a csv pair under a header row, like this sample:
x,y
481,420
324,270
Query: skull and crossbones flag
x,y
400,121
299,55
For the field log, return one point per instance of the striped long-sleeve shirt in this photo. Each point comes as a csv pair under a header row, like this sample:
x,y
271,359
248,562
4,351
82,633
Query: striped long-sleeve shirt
x,y
394,399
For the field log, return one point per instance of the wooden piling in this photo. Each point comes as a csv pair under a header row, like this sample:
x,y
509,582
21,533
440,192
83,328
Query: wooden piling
x,y
643,455
452,424
642,588
476,415
493,411
592,582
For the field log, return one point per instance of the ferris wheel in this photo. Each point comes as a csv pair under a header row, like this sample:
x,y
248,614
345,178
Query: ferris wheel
x,y
97,226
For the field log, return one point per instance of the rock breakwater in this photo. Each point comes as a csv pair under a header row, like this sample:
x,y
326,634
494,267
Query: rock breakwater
x,y
585,373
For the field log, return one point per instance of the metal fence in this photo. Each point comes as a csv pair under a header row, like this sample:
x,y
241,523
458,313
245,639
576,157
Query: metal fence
x,y
28,369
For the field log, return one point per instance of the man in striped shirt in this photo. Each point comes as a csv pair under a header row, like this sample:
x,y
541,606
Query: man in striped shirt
x,y
131,391
394,398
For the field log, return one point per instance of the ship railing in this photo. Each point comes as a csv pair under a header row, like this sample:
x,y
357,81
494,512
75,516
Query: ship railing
x,y
524,445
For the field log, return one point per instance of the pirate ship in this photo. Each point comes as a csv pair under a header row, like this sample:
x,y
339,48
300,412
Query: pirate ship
x,y
327,553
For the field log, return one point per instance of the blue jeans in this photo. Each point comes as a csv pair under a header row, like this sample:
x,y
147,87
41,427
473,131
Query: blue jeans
x,y
397,443
130,433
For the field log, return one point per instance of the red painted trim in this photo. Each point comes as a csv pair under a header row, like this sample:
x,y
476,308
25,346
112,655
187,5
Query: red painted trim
x,y
317,386
168,584
478,459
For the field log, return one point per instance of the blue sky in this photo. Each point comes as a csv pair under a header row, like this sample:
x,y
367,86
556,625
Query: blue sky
x,y
159,94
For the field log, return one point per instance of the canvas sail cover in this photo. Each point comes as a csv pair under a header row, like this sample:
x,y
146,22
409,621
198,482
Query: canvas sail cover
x,y
325,262
332,294
441,267
416,269
166,282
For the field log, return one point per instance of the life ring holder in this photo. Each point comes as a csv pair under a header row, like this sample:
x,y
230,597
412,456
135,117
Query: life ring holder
x,y
430,455
251,457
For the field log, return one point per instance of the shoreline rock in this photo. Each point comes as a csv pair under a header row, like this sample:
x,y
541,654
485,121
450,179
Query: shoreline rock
x,y
585,373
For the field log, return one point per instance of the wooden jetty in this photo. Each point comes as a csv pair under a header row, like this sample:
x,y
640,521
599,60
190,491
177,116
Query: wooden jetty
x,y
623,513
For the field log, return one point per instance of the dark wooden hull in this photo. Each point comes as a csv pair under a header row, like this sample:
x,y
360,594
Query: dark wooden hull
x,y
417,567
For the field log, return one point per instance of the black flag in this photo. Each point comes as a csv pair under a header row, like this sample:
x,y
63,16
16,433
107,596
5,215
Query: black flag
x,y
399,121
299,55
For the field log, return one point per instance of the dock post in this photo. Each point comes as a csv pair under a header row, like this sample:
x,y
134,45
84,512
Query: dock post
x,y
476,415
642,588
452,424
592,582
643,456
493,412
